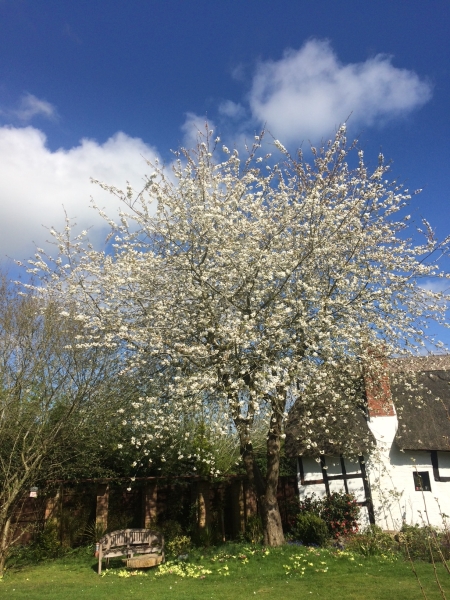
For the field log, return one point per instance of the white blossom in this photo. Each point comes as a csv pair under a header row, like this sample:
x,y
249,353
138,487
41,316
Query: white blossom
x,y
239,289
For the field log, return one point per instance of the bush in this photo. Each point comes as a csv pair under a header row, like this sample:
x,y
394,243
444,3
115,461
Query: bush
x,y
253,529
418,541
207,536
311,504
94,532
46,543
171,530
179,545
373,541
289,513
340,512
311,529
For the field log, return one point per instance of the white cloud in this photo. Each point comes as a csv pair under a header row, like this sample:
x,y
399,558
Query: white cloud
x,y
304,95
309,92
37,182
192,127
231,109
30,107
436,286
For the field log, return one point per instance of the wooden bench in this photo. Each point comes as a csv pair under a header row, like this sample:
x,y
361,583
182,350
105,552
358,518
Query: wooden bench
x,y
147,544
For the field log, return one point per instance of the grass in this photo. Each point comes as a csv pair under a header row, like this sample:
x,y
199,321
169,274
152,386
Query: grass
x,y
229,572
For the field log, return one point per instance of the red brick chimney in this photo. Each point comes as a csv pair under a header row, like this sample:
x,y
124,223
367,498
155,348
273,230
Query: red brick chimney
x,y
377,384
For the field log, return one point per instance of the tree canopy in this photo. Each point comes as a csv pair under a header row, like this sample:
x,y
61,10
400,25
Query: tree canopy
x,y
237,284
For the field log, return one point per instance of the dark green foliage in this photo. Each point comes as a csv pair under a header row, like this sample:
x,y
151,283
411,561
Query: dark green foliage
x,y
340,512
424,543
373,541
311,529
45,545
253,529
180,544
206,537
94,532
170,529
44,553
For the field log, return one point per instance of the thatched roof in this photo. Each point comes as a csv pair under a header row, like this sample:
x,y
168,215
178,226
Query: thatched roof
x,y
422,401
420,364
352,437
330,416
420,390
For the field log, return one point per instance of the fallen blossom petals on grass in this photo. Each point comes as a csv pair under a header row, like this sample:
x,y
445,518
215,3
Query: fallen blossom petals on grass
x,y
182,569
123,573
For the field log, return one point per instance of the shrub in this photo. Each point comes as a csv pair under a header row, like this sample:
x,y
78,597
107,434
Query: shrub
x,y
253,529
289,513
179,545
311,504
311,529
340,511
418,541
171,529
94,532
45,545
373,541
207,536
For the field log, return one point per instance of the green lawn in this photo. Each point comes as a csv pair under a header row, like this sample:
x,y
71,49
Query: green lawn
x,y
251,572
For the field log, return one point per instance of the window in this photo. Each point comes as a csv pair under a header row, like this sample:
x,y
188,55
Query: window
x,y
422,481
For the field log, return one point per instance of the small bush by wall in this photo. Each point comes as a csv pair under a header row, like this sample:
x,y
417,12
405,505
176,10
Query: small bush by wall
x,y
340,512
373,541
311,529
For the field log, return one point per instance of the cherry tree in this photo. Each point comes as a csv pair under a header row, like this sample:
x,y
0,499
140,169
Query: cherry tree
x,y
237,284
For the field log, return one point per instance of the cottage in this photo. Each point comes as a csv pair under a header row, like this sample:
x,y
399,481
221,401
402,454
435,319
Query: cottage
x,y
394,455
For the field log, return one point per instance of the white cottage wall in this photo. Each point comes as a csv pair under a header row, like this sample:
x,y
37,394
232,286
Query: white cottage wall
x,y
391,473
396,493
313,473
444,465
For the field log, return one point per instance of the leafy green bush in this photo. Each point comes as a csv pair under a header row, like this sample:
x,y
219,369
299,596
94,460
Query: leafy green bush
x,y
340,512
424,542
46,543
94,532
373,541
207,536
171,529
311,529
253,529
179,545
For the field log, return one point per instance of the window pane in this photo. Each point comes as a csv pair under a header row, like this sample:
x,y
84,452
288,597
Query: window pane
x,y
422,481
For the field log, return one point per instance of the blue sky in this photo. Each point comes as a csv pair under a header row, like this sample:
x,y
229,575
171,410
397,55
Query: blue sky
x,y
89,88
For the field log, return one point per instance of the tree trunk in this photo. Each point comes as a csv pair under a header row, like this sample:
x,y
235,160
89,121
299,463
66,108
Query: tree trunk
x,y
2,562
266,488
273,528
4,543
203,506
